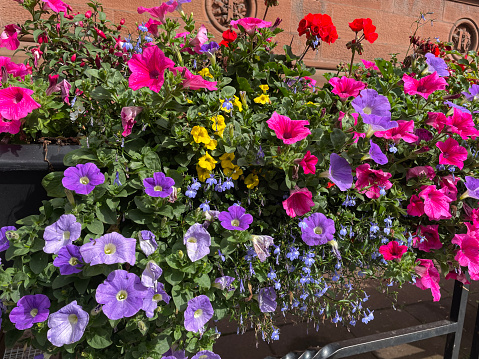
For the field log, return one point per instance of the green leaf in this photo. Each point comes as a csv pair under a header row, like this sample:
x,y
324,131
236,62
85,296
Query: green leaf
x,y
81,285
174,276
38,262
177,177
99,339
244,84
152,161
52,183
99,93
203,281
338,138
162,343
81,155
106,215
96,227
62,281
228,91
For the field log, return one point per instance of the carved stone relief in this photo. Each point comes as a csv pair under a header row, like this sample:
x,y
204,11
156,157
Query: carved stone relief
x,y
221,12
464,36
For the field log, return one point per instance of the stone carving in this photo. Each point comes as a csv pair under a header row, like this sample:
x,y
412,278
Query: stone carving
x,y
221,12
464,36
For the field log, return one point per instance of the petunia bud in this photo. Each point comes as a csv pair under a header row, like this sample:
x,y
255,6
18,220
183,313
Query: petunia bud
x,y
180,254
88,14
122,22
74,57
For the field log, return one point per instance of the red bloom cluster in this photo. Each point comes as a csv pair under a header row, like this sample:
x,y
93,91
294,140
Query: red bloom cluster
x,y
366,25
319,26
228,37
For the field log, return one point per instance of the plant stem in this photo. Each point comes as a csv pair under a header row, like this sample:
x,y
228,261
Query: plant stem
x,y
265,12
304,53
352,56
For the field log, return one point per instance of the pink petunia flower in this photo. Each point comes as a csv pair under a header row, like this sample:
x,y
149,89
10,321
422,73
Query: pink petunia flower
x,y
452,153
428,277
16,103
194,82
309,163
420,172
392,251
345,87
17,70
159,11
425,86
9,37
55,5
370,65
299,202
436,120
152,26
371,181
310,82
462,124
12,127
457,274
128,115
250,24
147,69
436,203
468,253
404,131
449,186
290,131
415,206
194,46
428,238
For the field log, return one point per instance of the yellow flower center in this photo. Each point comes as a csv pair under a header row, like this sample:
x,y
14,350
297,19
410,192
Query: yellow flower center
x,y
198,313
73,261
157,297
121,295
191,240
66,235
367,110
109,248
73,319
318,230
235,223
84,180
34,312
158,188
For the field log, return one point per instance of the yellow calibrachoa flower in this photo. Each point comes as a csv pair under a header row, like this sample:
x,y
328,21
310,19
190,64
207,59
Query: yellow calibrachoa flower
x,y
211,145
264,88
226,160
200,135
189,101
205,73
203,174
238,104
312,103
207,162
218,125
234,173
251,181
262,99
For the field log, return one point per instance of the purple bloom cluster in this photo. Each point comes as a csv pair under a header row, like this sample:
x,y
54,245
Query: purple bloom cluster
x,y
198,312
197,241
30,309
4,242
340,172
69,260
159,185
319,229
82,178
67,325
235,219
109,249
61,233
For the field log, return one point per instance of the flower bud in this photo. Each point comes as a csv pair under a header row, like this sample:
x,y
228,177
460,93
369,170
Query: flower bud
x,y
122,22
88,14
74,57
180,254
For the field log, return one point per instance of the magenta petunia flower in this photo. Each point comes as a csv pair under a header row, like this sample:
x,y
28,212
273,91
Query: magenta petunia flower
x,y
472,186
198,312
261,245
452,153
128,115
449,186
206,354
147,242
30,309
436,64
250,24
69,260
346,87
428,238
235,219
370,181
421,172
376,154
159,185
371,105
12,127
224,283
267,300
318,229
462,124
436,120
56,5
194,82
290,131
148,69
16,103
198,241
415,206
150,274
308,162
428,277
424,86
159,11
436,203
82,178
457,274
153,296
9,37
340,172
67,325
152,26
201,38
404,131
61,233
392,251
4,242
299,202
370,65
16,70
468,253
109,249
121,294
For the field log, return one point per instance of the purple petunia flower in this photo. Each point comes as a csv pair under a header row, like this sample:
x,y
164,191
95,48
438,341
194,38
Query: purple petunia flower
x,y
30,309
82,179
69,260
235,219
370,103
472,185
147,242
436,64
473,94
340,172
198,313
267,300
62,232
376,154
121,294
206,354
197,241
151,274
67,325
224,283
261,244
459,107
159,185
109,249
177,354
378,123
319,231
210,48
4,242
153,296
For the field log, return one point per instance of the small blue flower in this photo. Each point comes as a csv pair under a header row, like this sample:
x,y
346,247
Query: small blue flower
x,y
142,27
272,274
275,335
117,179
228,184
366,297
374,228
352,322
337,318
227,105
219,187
277,285
302,224
195,185
205,206
343,231
292,254
211,180
368,317
221,255
392,148
190,192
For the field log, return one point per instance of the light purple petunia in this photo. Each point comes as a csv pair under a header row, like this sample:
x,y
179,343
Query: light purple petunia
x,y
82,178
198,313
340,172
235,219
67,325
121,294
267,300
376,154
436,64
206,354
472,185
159,185
317,229
378,123
153,296
177,354
4,242
224,283
69,260
473,94
197,241
148,242
30,309
109,249
62,232
151,274
370,103
261,245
